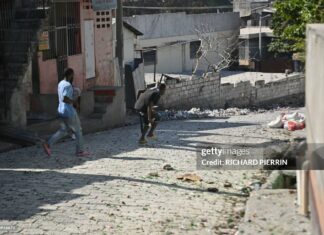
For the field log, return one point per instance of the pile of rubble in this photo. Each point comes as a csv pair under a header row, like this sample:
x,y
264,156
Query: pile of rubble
x,y
196,113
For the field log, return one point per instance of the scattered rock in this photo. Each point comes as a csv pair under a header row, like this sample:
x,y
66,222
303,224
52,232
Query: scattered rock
x,y
256,185
153,174
190,178
196,113
226,231
168,167
240,210
213,190
246,190
227,184
210,182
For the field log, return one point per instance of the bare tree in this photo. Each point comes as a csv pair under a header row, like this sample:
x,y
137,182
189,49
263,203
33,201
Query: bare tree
x,y
216,45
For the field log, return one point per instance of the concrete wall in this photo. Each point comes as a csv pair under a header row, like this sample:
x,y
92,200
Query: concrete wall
x,y
315,117
167,25
19,100
116,112
49,103
129,45
209,93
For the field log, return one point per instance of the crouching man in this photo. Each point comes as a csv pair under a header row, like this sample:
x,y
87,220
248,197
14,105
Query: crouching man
x,y
145,105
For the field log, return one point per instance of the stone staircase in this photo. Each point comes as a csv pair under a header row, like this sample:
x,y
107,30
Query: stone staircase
x,y
103,97
17,45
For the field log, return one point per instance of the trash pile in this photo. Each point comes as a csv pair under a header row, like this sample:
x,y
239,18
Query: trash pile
x,y
196,113
290,122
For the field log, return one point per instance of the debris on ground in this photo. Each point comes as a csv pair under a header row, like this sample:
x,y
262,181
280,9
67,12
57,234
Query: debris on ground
x,y
190,178
291,122
213,190
227,184
153,174
196,113
168,167
255,186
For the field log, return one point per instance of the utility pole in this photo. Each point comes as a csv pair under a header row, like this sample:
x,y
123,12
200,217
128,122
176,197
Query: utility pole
x,y
260,36
120,40
260,33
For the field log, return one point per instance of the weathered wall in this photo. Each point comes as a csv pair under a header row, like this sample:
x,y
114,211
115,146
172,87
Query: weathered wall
x,y
116,112
210,93
49,103
314,121
104,58
19,100
129,45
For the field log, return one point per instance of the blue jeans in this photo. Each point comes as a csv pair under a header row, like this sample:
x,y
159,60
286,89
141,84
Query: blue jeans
x,y
69,125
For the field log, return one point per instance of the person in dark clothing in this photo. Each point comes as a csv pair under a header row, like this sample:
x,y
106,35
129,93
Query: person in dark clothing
x,y
145,106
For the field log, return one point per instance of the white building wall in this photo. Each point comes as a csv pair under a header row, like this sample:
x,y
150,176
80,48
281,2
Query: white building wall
x,y
129,45
171,34
172,58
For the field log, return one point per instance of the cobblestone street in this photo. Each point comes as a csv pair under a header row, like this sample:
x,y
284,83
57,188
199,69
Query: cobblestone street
x,y
123,188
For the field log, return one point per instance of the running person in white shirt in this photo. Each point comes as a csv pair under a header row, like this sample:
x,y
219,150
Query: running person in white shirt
x,y
68,115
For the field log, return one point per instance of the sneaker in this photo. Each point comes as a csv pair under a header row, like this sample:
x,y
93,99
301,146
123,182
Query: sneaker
x,y
47,149
83,154
142,141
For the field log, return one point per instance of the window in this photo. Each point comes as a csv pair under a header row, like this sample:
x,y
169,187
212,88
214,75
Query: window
x,y
64,30
149,56
194,48
242,50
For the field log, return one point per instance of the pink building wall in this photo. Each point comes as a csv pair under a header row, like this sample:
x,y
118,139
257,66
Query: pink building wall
x,y
47,75
103,57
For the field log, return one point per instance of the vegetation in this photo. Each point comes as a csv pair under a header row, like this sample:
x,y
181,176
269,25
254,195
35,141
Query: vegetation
x,y
289,23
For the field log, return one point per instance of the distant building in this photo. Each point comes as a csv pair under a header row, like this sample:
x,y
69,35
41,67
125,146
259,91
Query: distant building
x,y
133,61
132,49
254,51
171,40
247,7
250,44
251,10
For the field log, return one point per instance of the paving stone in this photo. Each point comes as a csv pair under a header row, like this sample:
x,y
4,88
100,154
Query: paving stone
x,y
112,193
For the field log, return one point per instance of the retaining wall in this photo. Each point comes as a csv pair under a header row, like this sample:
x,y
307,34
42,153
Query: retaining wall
x,y
209,93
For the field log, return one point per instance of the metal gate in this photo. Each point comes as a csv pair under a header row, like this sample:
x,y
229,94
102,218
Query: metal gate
x,y
62,64
6,18
64,34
